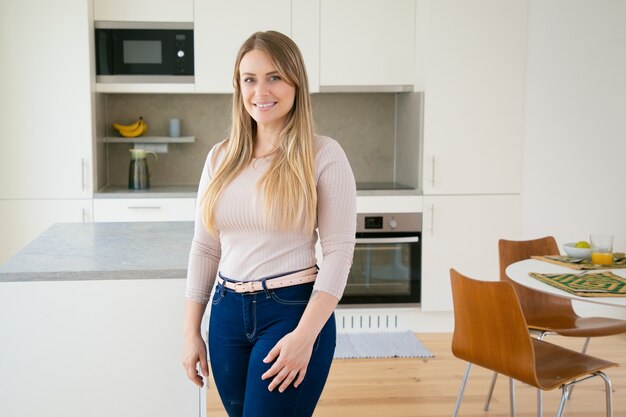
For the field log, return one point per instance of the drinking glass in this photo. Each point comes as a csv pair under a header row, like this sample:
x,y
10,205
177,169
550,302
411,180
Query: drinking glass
x,y
174,128
601,249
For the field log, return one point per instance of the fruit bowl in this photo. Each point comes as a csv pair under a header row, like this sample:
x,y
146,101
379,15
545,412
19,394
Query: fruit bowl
x,y
576,253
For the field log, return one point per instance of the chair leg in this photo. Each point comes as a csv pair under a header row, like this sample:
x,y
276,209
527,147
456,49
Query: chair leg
x,y
490,393
585,345
569,391
607,388
609,393
460,397
540,336
559,413
512,396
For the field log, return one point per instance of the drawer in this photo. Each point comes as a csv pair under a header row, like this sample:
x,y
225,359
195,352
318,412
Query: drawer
x,y
143,209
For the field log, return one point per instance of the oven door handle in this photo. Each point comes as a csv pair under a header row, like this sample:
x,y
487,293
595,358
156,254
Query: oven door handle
x,y
410,239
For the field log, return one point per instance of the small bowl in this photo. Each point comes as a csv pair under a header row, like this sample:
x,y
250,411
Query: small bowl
x,y
577,253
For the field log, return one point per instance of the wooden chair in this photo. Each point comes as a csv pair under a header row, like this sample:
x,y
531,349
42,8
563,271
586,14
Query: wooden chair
x,y
490,331
544,313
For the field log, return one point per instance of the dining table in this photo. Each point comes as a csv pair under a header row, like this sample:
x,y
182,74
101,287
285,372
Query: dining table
x,y
520,273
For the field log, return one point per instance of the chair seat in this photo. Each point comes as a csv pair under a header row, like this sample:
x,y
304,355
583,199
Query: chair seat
x,y
557,365
577,326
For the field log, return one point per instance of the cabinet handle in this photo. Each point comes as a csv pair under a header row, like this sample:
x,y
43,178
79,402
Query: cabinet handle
x,y
432,173
82,173
144,207
84,215
432,219
369,240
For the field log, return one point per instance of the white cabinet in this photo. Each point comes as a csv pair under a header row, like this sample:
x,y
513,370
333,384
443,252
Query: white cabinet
x,y
367,43
46,118
305,31
219,30
143,209
95,348
46,146
346,44
462,232
143,10
474,66
23,220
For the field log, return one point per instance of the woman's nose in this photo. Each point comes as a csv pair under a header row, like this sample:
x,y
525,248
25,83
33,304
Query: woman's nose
x,y
262,88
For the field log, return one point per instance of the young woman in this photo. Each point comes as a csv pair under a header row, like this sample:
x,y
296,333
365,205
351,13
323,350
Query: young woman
x,y
263,195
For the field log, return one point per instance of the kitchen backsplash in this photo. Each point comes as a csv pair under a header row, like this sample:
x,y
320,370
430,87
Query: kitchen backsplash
x,y
364,124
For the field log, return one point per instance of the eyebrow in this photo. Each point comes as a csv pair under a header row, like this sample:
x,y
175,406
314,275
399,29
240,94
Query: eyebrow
x,y
269,73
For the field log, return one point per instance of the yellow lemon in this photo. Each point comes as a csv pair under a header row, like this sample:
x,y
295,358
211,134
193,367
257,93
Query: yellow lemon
x,y
583,244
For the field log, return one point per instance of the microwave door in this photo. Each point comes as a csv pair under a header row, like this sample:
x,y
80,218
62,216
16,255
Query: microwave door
x,y
139,52
151,52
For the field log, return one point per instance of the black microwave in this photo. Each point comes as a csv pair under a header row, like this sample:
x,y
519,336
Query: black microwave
x,y
144,52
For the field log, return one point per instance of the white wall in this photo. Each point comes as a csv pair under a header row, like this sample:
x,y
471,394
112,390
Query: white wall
x,y
574,156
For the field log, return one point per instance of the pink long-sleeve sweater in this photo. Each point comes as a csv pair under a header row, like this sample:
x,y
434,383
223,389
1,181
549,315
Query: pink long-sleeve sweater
x,y
247,250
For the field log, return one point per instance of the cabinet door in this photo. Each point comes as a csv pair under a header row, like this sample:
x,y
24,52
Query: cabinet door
x,y
219,30
305,31
143,10
143,209
474,68
23,220
122,338
367,43
462,232
46,146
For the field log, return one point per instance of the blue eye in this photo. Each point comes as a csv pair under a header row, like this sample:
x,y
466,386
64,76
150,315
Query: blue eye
x,y
248,80
274,78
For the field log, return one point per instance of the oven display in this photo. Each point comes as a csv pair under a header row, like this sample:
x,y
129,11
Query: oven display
x,y
373,222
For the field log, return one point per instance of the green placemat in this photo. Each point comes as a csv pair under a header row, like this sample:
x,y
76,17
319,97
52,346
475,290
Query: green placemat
x,y
618,262
592,284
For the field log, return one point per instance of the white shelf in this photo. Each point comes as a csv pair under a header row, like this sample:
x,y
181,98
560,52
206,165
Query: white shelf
x,y
158,144
150,139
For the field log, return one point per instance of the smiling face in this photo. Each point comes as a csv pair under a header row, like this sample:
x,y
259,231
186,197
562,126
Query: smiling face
x,y
267,97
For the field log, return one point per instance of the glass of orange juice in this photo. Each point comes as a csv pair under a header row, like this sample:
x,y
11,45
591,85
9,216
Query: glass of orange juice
x,y
601,249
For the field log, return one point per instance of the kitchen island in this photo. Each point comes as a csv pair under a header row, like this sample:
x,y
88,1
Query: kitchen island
x,y
91,322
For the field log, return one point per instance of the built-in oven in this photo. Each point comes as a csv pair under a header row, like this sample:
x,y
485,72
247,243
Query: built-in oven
x,y
387,263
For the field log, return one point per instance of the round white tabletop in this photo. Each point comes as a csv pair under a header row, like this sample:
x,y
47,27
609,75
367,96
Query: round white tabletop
x,y
519,272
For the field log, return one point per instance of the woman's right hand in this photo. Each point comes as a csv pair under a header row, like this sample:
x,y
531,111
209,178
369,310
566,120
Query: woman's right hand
x,y
194,352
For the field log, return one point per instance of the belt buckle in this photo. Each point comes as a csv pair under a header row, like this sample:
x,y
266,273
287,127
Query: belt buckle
x,y
241,287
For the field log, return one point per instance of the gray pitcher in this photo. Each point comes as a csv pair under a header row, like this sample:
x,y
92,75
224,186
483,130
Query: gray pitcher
x,y
138,172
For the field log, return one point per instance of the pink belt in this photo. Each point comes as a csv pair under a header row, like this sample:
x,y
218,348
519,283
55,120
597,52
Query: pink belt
x,y
296,278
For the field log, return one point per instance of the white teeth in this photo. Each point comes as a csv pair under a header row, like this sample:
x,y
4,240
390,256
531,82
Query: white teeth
x,y
264,105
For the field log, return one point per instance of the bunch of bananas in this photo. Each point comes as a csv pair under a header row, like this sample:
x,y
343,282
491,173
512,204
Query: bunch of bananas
x,y
132,130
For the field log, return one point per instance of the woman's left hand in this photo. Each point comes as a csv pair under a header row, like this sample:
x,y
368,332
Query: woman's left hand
x,y
291,357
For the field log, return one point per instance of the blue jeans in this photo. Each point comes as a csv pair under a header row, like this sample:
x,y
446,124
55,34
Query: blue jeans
x,y
243,328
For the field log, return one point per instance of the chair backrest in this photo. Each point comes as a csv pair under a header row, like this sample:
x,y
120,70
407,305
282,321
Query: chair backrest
x,y
532,302
490,329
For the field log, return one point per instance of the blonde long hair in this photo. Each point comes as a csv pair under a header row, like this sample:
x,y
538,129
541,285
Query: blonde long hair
x,y
289,183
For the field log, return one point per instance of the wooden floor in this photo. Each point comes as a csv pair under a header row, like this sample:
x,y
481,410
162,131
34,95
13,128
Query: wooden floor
x,y
416,387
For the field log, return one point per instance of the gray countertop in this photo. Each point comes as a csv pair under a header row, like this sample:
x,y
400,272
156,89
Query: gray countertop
x,y
191,191
103,251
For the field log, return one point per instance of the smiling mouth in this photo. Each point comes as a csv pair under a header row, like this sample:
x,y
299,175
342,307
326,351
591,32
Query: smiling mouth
x,y
264,105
